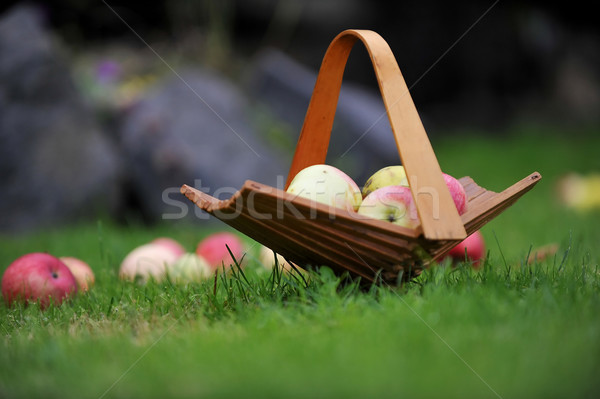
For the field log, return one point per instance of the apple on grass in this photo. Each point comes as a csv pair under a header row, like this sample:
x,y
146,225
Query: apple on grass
x,y
171,244
38,277
214,249
328,185
81,271
266,257
189,268
471,249
148,261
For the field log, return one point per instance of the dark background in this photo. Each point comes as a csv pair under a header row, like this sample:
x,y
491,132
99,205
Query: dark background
x,y
105,107
522,61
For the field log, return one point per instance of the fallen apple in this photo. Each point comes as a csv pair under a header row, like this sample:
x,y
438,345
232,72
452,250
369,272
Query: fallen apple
x,y
38,277
148,261
81,271
266,257
189,268
327,185
214,249
389,176
391,203
171,244
470,249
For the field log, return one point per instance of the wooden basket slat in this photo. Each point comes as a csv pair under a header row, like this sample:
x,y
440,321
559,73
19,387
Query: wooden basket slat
x,y
339,239
325,251
349,228
324,237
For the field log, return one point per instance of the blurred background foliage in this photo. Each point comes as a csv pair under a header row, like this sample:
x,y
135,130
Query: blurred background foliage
x,y
154,94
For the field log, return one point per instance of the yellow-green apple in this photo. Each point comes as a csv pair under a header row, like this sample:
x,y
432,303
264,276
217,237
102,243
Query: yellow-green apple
x,y
148,261
579,192
391,203
328,185
214,249
389,176
171,244
81,271
471,249
38,277
188,268
266,258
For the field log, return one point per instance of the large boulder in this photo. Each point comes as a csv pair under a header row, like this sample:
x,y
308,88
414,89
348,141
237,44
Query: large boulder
x,y
193,128
55,163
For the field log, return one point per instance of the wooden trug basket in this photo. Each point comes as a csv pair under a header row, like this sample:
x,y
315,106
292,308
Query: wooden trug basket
x,y
310,233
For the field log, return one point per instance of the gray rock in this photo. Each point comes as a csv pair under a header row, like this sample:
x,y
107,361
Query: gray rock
x,y
55,163
193,129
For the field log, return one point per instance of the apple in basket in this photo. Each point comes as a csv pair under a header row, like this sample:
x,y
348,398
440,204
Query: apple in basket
x,y
395,203
328,185
38,277
389,176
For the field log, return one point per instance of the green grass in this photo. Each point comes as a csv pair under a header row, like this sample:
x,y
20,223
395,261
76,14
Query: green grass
x,y
509,330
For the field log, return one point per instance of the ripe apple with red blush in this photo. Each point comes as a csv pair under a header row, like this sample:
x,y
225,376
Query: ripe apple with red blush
x,y
395,203
214,249
81,271
147,262
471,249
38,277
170,244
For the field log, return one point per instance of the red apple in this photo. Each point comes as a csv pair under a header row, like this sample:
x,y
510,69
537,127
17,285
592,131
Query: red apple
x,y
81,271
395,203
457,191
473,246
391,203
213,249
38,277
171,244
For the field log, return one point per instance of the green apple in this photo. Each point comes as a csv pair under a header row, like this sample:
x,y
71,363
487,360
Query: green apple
x,y
389,176
327,185
190,267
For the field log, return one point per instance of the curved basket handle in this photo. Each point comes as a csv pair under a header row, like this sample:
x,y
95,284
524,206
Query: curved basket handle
x,y
438,215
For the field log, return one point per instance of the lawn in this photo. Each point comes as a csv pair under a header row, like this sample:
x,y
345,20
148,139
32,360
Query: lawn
x,y
508,330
